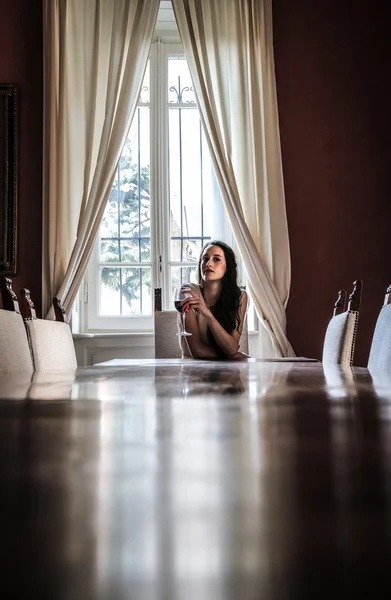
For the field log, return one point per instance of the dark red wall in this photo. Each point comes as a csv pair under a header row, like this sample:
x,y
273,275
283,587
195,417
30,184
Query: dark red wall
x,y
21,63
332,72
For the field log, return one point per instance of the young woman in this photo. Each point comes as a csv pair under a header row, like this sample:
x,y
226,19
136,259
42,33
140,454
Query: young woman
x,y
216,308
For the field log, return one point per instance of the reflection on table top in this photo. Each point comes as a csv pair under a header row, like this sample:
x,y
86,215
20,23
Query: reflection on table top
x,y
197,479
129,362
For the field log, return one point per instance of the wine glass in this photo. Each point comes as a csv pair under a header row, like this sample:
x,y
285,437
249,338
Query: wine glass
x,y
179,295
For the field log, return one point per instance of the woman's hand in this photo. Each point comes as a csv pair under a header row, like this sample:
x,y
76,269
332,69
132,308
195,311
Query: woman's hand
x,y
196,303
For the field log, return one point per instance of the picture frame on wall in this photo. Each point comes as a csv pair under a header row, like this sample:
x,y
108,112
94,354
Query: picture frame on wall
x,y
8,177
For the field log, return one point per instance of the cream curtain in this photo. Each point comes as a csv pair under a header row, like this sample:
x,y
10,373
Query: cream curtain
x,y
229,49
95,54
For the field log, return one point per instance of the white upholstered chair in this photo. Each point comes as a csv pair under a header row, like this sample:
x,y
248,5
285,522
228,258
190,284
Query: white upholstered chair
x,y
380,353
51,341
167,343
340,338
165,321
15,355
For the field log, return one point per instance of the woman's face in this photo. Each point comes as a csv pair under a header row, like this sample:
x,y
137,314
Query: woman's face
x,y
213,263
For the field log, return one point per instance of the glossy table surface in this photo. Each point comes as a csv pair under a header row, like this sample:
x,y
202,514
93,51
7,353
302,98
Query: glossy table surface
x,y
196,480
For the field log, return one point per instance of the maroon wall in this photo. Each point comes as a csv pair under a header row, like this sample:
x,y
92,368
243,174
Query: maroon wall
x,y
21,63
332,72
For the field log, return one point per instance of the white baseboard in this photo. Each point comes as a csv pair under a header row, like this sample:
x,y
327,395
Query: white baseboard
x,y
95,348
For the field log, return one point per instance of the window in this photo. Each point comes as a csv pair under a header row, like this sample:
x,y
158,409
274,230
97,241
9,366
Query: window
x,y
163,206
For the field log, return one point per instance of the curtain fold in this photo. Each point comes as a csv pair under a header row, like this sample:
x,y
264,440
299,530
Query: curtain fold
x,y
95,54
229,49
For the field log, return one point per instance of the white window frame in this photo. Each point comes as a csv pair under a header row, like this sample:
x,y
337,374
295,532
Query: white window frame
x,y
161,263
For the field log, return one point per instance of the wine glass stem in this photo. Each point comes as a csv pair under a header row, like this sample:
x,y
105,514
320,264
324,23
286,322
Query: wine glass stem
x,y
183,321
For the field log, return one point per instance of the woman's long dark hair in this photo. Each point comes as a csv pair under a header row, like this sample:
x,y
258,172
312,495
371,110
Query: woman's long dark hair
x,y
226,309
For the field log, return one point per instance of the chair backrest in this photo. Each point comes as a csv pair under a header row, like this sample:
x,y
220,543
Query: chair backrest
x,y
51,341
340,338
380,352
340,304
59,311
15,353
167,343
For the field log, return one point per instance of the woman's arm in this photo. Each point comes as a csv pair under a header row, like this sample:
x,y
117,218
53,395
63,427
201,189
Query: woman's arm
x,y
197,348
228,343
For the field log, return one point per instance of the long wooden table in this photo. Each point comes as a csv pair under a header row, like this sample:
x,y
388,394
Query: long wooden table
x,y
196,480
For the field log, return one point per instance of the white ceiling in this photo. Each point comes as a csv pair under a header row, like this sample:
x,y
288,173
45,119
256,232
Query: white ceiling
x,y
166,23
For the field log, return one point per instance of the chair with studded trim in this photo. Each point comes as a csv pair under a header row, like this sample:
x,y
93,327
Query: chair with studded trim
x,y
51,341
15,353
340,338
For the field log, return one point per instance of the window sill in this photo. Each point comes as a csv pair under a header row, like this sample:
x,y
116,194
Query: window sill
x,y
130,335
114,334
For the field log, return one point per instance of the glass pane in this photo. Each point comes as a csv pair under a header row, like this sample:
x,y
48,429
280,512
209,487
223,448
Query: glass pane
x,y
125,291
130,251
134,178
181,275
191,173
109,223
176,246
180,85
109,250
186,202
136,292
145,247
192,250
109,291
175,174
186,250
136,250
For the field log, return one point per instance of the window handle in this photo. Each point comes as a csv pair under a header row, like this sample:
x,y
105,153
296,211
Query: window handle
x,y
160,263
